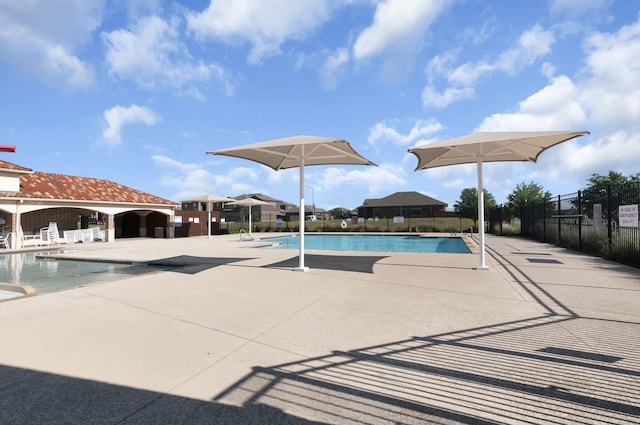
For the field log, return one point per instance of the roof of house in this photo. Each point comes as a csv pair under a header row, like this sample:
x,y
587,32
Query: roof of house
x,y
39,185
277,203
260,196
403,199
5,165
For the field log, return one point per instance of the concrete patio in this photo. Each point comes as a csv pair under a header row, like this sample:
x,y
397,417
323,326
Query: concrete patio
x,y
233,336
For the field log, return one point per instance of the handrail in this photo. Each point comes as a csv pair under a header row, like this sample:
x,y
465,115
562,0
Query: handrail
x,y
248,234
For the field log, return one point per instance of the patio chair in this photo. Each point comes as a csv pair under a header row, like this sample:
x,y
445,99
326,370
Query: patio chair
x,y
98,235
6,241
44,236
87,235
24,240
53,234
70,237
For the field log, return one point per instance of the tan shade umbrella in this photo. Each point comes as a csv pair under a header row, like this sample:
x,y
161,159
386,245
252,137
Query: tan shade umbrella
x,y
249,202
298,151
489,147
210,199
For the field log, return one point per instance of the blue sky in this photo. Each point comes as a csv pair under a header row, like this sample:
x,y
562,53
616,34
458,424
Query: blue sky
x,y
136,91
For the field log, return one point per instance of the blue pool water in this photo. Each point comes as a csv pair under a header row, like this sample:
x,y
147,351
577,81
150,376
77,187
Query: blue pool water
x,y
386,243
45,274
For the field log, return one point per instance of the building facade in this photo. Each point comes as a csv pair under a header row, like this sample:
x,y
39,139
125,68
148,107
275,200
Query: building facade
x,y
402,204
30,200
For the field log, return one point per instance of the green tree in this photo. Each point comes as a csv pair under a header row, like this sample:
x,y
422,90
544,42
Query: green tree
x,y
596,191
525,193
339,213
598,182
467,205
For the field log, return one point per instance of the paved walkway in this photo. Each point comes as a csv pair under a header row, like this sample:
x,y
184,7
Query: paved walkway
x,y
234,336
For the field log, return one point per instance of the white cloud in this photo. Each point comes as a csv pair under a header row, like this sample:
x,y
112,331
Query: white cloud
x,y
119,116
384,133
332,68
190,179
374,179
433,99
611,84
41,38
555,107
577,8
397,25
153,55
532,45
603,98
265,24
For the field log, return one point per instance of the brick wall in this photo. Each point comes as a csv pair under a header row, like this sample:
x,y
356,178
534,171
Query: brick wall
x,y
67,219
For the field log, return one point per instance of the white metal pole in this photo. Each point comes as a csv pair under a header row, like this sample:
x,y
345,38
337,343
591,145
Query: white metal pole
x,y
481,265
301,267
209,224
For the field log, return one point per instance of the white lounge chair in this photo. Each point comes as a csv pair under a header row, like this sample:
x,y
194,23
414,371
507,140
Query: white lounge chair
x,y
53,234
87,235
6,241
44,236
98,235
28,240
70,236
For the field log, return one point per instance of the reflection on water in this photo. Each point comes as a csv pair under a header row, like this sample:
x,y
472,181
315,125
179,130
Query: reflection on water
x,y
50,274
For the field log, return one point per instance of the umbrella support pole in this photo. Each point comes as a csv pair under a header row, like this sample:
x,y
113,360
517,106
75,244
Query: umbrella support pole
x,y
301,212
481,264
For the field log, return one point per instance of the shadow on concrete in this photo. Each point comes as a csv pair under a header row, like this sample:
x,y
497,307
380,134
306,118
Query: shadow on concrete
x,y
554,368
34,398
557,367
190,264
359,263
515,372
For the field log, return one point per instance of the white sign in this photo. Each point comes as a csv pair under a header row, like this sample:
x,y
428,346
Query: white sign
x,y
628,215
597,216
398,219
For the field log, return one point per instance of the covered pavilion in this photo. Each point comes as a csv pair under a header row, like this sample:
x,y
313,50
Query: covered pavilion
x,y
30,200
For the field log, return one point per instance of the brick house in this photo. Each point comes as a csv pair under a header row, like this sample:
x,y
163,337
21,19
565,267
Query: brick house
x,y
405,204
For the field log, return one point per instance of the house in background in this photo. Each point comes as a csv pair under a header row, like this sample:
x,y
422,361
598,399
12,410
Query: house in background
x,y
402,204
30,200
270,213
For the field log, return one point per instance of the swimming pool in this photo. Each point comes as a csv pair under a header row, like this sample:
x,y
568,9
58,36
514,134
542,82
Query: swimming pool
x,y
46,274
365,242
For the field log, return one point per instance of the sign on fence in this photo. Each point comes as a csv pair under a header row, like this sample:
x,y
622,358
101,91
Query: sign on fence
x,y
597,217
628,215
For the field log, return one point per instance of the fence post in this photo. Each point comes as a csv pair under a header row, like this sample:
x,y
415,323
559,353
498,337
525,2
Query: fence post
x,y
579,221
544,219
559,223
523,219
609,230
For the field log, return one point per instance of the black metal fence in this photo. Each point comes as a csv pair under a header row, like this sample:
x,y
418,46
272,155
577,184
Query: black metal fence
x,y
596,222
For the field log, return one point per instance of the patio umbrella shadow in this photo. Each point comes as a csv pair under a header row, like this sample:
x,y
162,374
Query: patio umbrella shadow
x,y
190,264
360,264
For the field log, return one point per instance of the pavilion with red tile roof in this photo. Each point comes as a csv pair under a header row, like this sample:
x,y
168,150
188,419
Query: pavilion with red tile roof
x,y
31,199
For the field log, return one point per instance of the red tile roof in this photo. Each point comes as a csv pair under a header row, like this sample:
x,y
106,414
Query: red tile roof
x,y
4,165
38,185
